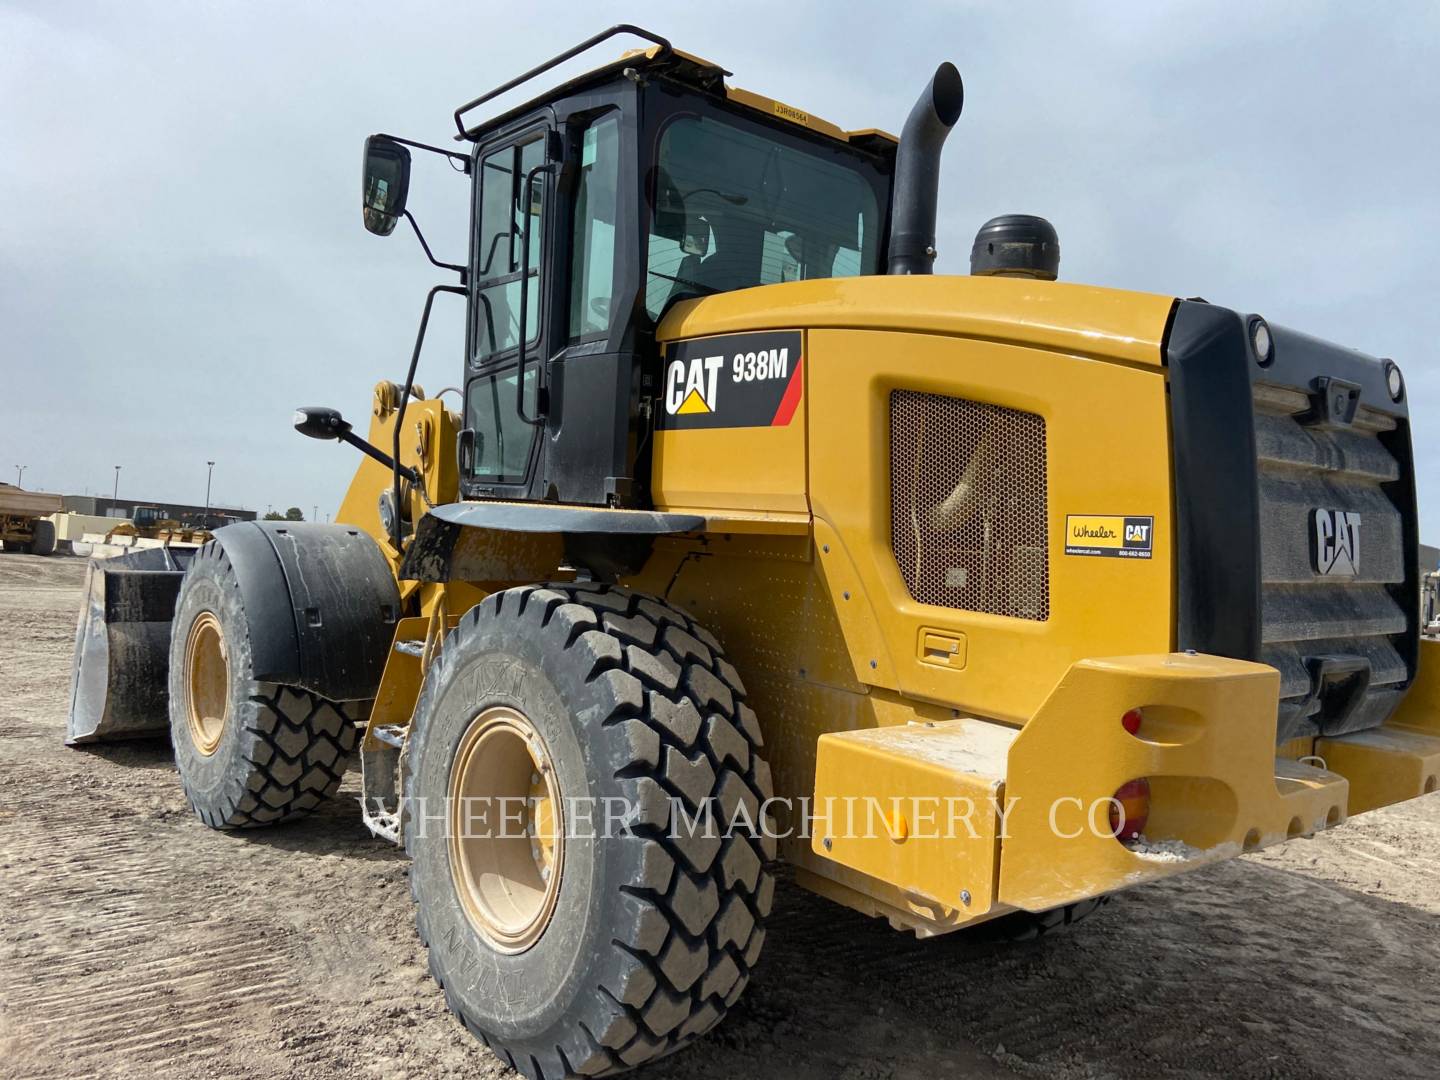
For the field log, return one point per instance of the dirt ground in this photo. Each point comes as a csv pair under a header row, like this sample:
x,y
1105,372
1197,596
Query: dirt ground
x,y
136,941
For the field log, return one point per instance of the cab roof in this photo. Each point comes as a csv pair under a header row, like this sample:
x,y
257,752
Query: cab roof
x,y
661,57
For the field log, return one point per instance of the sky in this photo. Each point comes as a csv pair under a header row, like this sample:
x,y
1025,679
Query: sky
x,y
182,260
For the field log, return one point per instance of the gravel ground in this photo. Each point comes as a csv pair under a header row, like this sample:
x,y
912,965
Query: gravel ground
x,y
136,941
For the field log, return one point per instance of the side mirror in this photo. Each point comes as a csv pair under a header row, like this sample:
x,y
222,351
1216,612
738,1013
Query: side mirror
x,y
669,208
318,422
386,183
675,221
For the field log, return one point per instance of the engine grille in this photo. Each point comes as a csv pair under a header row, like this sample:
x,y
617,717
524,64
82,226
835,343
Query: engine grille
x,y
968,512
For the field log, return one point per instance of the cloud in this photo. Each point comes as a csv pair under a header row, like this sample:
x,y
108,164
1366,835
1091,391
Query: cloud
x,y
182,260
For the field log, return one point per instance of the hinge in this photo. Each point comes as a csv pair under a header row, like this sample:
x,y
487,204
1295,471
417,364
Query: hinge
x,y
1332,401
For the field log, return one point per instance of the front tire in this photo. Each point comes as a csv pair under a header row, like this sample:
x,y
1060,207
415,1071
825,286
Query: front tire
x,y
653,930
249,753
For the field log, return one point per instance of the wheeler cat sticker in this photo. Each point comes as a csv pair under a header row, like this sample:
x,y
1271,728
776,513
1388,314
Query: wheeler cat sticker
x,y
1109,535
737,380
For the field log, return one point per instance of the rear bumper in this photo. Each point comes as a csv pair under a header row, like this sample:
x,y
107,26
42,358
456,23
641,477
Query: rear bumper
x,y
1400,759
1207,747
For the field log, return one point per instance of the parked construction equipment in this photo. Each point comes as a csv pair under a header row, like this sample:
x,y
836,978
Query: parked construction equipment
x,y
1430,603
153,523
23,524
744,501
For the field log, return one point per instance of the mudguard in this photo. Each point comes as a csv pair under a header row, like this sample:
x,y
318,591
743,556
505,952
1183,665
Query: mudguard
x,y
320,600
522,542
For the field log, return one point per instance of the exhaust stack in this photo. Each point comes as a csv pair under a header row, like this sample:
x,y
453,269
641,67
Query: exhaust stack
x,y
917,173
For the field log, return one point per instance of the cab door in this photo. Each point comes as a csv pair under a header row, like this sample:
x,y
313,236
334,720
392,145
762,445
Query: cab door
x,y
513,194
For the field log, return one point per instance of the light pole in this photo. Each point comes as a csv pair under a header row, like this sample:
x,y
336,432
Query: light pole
x,y
210,471
20,473
115,494
315,513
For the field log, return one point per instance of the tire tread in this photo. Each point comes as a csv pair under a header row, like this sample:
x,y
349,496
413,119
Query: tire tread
x,y
296,745
681,711
302,746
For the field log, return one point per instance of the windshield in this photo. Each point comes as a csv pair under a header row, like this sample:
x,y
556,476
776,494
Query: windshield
x,y
735,208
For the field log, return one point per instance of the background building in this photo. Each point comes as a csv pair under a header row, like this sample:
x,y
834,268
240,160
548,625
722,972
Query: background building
x,y
185,513
1429,558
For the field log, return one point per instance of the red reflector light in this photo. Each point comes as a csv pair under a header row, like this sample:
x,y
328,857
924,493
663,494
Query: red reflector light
x,y
1131,721
1131,808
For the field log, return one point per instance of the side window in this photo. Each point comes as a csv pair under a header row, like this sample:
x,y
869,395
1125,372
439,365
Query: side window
x,y
497,195
499,247
502,439
592,267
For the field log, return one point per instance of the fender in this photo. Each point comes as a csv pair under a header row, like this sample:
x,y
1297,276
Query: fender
x,y
507,541
321,602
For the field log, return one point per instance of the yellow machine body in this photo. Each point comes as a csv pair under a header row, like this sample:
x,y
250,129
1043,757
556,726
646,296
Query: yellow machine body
x,y
914,712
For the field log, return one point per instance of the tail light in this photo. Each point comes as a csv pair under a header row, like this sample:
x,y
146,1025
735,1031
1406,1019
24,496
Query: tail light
x,y
1130,810
1131,721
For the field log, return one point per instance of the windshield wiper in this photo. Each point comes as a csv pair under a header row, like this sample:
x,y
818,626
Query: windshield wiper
x,y
710,290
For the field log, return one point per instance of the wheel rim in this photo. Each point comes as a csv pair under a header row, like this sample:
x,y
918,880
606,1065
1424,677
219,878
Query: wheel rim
x,y
505,861
207,679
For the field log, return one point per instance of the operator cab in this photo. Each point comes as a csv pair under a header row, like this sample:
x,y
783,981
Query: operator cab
x,y
598,207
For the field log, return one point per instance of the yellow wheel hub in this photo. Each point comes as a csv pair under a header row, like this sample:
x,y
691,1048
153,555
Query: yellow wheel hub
x,y
207,682
505,829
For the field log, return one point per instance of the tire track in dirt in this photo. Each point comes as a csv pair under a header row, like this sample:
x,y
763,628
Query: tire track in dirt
x,y
104,979
135,939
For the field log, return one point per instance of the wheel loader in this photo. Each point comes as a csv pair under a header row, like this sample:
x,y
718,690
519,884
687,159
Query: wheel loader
x,y
747,539
155,523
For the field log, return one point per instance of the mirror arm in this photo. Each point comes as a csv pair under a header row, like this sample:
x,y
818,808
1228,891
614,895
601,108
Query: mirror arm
x,y
400,515
377,454
463,159
426,247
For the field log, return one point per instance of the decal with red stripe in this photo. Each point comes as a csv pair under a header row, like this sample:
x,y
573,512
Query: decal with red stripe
x,y
791,399
735,380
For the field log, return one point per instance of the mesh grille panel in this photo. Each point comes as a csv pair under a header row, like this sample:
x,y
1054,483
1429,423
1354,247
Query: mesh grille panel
x,y
968,506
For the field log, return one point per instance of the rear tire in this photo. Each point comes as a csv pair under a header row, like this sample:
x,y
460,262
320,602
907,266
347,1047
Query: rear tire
x,y
42,539
249,753
651,935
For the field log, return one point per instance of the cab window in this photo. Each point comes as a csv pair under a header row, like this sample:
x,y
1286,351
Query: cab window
x,y
499,247
502,439
734,207
592,267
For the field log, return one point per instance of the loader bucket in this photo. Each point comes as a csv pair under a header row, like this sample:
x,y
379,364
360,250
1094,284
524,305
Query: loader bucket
x,y
120,685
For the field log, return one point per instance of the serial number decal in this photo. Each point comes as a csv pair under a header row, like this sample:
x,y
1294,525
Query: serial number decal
x,y
738,380
789,112
1115,536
